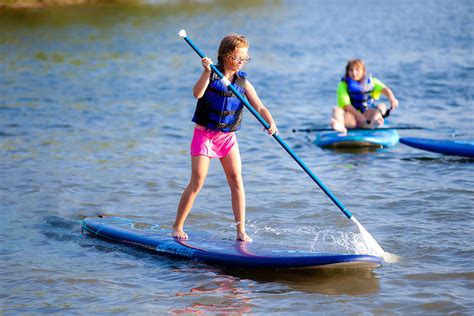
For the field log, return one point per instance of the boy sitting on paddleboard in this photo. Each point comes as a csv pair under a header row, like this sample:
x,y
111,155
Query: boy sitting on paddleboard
x,y
356,95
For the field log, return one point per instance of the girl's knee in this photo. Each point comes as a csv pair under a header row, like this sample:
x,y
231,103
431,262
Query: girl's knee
x,y
235,181
196,184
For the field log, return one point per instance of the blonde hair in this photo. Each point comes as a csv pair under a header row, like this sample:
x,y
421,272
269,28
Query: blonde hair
x,y
229,44
355,63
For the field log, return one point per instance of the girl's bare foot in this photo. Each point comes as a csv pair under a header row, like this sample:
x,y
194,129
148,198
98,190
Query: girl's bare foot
x,y
179,234
338,126
242,236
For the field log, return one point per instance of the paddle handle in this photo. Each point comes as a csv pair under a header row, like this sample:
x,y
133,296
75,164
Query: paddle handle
x,y
277,137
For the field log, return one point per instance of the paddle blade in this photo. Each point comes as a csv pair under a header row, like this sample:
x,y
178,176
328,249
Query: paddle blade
x,y
372,245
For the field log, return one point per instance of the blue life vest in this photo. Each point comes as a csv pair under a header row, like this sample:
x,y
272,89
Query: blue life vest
x,y
219,108
360,93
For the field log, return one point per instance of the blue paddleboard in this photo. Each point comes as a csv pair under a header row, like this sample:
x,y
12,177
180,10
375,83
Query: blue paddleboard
x,y
356,138
229,253
447,147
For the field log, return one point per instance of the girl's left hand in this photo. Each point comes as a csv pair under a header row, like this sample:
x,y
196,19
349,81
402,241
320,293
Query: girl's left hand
x,y
272,129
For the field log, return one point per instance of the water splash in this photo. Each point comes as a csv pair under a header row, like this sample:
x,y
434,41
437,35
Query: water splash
x,y
373,247
340,242
327,240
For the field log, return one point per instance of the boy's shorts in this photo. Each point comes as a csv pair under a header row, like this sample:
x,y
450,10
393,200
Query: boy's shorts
x,y
212,144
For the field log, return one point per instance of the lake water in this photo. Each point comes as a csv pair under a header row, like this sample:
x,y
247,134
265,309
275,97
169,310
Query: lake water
x,y
95,109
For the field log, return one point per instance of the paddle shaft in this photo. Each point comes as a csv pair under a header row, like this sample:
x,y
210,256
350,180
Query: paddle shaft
x,y
275,135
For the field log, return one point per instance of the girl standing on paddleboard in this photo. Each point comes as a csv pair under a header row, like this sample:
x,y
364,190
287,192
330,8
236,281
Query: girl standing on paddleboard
x,y
356,95
217,116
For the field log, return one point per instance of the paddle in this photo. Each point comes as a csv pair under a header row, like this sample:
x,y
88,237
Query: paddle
x,y
328,129
368,239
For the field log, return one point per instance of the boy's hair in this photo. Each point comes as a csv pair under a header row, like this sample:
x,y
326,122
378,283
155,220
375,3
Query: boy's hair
x,y
355,63
229,44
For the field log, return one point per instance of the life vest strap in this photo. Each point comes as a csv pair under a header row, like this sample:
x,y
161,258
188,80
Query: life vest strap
x,y
222,113
222,93
231,126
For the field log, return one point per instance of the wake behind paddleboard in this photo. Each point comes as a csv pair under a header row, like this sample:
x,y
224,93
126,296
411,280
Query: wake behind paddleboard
x,y
357,138
228,253
447,147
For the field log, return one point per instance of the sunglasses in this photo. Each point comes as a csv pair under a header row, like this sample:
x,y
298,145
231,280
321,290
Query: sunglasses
x,y
240,59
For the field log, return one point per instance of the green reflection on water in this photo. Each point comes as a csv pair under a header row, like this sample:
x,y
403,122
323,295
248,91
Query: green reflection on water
x,y
106,13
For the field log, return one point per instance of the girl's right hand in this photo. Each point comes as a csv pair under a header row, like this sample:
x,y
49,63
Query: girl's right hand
x,y
206,63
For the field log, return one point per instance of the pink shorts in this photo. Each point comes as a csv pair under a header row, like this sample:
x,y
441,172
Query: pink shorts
x,y
213,144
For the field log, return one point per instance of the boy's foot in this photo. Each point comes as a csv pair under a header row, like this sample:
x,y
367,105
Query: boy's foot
x,y
378,118
243,237
338,126
179,234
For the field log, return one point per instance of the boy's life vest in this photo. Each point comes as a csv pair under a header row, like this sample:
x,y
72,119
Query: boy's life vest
x,y
360,93
219,108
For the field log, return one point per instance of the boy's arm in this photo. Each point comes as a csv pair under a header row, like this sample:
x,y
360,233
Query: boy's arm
x,y
389,94
380,88
343,98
